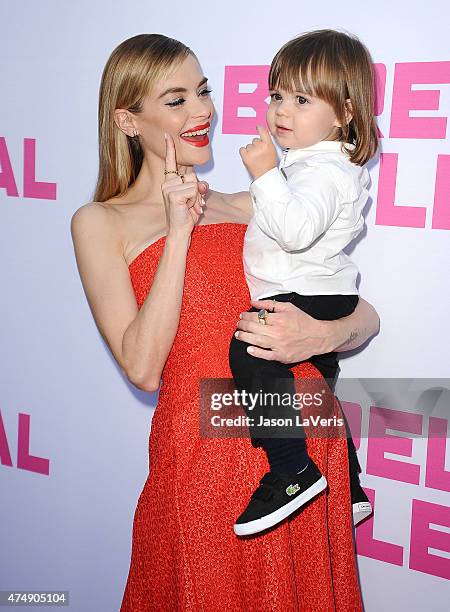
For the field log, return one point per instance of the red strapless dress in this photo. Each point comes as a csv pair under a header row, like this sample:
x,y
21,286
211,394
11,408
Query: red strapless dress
x,y
185,555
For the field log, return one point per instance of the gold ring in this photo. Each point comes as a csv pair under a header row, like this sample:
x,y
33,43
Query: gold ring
x,y
171,172
262,316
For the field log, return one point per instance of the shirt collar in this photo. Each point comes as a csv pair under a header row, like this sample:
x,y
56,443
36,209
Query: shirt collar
x,y
323,146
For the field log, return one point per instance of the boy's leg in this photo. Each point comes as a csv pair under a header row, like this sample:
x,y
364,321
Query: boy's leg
x,y
286,448
327,308
271,379
241,368
328,367
294,478
264,380
361,507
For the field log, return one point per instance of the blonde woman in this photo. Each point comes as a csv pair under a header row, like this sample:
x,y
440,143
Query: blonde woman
x,y
160,259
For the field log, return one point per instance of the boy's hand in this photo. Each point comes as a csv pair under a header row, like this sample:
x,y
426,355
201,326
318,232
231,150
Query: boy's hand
x,y
260,155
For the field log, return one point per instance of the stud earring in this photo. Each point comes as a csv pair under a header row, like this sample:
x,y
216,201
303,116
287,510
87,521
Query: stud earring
x,y
135,133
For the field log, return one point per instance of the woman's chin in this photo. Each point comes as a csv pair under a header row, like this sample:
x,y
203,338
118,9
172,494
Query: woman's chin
x,y
197,157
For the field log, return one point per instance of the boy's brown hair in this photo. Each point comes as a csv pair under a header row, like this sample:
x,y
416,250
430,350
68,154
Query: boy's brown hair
x,y
333,66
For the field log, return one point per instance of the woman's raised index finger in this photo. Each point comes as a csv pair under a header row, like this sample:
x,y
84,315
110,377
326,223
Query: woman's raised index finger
x,y
171,158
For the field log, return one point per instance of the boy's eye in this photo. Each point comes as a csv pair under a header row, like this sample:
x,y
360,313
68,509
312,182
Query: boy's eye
x,y
302,100
275,96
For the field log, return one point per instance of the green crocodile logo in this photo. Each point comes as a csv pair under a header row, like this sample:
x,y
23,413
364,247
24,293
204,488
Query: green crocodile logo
x,y
292,489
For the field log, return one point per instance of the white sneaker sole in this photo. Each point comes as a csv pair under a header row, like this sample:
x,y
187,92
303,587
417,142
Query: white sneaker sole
x,y
360,511
275,517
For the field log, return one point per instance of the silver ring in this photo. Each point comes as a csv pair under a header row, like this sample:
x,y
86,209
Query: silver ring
x,y
262,316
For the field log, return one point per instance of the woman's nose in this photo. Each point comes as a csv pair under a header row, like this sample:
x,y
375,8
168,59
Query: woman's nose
x,y
201,109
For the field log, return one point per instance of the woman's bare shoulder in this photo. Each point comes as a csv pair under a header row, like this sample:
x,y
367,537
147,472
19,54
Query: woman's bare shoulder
x,y
98,217
92,212
93,224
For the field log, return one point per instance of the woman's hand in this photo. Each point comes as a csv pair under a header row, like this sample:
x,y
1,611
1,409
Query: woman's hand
x,y
291,335
182,193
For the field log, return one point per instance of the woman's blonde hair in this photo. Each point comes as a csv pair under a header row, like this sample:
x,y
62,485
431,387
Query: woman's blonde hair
x,y
131,70
333,66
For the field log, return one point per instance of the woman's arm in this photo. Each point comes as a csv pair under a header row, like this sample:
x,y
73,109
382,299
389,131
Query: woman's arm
x,y
140,340
358,327
237,205
291,335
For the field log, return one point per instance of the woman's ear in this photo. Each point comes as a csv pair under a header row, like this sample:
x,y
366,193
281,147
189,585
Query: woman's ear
x,y
124,122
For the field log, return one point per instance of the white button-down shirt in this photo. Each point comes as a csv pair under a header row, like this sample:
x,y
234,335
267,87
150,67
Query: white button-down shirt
x,y
305,212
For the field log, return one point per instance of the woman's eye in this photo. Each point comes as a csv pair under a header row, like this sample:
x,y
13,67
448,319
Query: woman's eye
x,y
180,101
275,97
176,102
302,100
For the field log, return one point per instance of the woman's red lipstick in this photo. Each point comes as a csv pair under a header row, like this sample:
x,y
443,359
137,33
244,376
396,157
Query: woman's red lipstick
x,y
199,140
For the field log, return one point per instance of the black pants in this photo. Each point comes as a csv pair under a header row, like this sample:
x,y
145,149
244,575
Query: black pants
x,y
254,375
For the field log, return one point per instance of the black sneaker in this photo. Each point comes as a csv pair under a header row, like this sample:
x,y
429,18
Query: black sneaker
x,y
361,506
277,496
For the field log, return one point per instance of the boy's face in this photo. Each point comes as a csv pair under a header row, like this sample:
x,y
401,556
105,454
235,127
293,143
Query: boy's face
x,y
299,120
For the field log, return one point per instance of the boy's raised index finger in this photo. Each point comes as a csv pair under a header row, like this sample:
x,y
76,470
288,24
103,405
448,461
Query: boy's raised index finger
x,y
263,133
171,158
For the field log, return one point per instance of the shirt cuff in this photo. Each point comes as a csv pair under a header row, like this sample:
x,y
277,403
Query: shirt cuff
x,y
268,187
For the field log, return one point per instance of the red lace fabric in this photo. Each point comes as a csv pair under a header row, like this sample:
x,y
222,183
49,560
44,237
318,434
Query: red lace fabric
x,y
185,555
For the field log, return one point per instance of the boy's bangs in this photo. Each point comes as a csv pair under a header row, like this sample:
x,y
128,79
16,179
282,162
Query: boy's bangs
x,y
307,75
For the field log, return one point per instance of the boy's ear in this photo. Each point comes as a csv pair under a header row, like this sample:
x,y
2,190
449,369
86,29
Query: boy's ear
x,y
348,112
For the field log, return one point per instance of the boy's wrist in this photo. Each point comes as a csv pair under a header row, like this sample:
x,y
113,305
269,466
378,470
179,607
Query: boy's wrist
x,y
268,176
269,187
261,172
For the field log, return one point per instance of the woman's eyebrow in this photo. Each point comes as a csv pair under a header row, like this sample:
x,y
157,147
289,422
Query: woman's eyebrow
x,y
181,89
